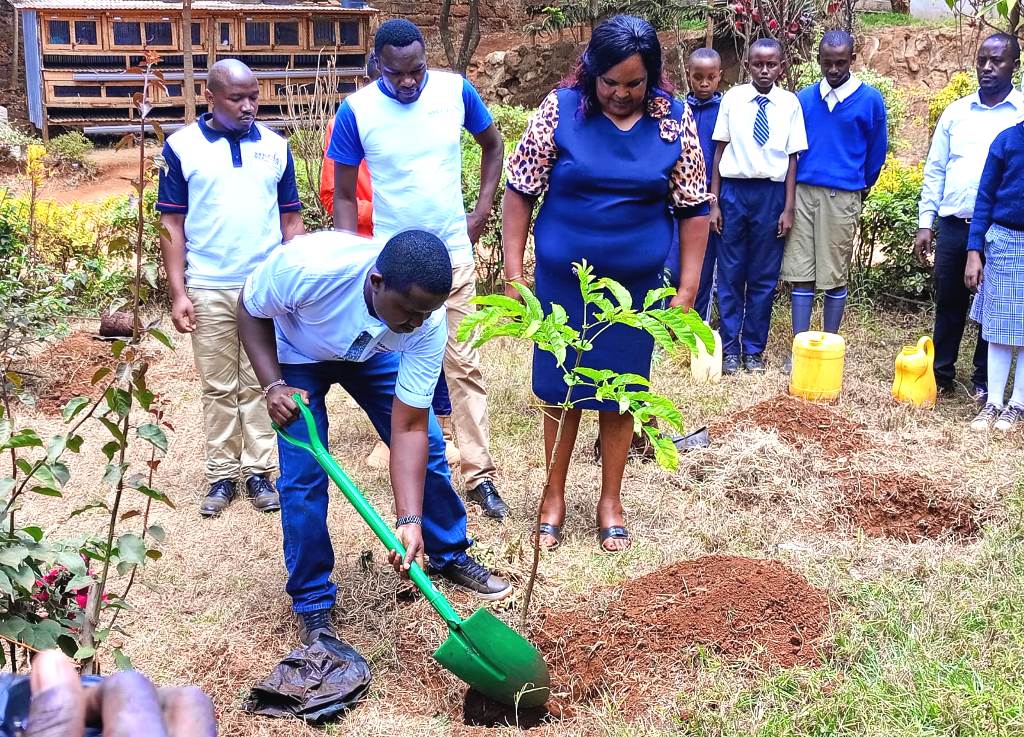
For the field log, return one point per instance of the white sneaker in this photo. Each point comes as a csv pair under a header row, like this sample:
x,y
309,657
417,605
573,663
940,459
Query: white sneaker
x,y
982,421
1009,417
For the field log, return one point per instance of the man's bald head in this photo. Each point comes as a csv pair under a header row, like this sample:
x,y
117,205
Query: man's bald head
x,y
233,93
228,71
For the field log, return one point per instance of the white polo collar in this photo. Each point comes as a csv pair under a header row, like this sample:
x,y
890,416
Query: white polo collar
x,y
841,92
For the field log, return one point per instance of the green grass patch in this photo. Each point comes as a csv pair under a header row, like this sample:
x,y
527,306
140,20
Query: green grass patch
x,y
888,20
916,655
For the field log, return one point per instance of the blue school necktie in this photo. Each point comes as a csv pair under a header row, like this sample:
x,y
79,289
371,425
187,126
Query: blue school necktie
x,y
761,130
355,351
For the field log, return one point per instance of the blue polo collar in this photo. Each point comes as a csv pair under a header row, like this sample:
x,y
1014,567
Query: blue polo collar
x,y
212,134
694,102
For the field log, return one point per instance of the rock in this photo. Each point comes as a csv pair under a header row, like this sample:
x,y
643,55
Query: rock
x,y
116,324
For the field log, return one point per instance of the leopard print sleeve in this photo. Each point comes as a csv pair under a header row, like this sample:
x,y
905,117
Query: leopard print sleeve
x,y
688,180
530,164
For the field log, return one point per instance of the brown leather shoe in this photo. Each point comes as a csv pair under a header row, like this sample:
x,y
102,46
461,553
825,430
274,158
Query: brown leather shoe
x,y
217,498
262,494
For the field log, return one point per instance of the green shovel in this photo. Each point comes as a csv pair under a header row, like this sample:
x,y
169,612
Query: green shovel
x,y
482,650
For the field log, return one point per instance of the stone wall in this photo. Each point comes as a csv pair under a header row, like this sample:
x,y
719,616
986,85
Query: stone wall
x,y
495,15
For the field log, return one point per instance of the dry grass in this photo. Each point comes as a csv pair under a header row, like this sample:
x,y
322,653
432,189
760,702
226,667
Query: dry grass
x,y
213,611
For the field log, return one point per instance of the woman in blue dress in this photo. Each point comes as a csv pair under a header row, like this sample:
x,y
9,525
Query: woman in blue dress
x,y
614,156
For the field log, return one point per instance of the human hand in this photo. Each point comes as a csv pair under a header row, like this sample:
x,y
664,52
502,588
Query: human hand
x,y
124,703
716,218
682,299
411,537
183,314
511,291
476,223
974,273
785,223
923,244
280,405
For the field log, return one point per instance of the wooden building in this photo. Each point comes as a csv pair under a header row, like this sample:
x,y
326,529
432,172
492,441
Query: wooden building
x,y
77,53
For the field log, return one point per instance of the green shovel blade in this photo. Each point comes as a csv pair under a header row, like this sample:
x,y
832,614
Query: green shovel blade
x,y
495,660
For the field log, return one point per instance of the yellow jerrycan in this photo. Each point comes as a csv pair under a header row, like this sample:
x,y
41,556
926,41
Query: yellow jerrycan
x,y
817,372
706,368
914,382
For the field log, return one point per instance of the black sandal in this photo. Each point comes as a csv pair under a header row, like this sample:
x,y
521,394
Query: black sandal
x,y
551,530
615,532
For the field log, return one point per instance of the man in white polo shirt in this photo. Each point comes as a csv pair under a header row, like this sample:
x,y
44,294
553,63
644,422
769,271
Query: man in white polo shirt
x,y
345,311
408,128
227,198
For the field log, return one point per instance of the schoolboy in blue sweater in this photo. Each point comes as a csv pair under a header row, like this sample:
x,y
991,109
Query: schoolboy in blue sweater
x,y
847,139
759,132
704,76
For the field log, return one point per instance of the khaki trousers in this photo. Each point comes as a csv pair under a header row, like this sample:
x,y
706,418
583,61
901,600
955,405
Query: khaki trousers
x,y
466,384
239,439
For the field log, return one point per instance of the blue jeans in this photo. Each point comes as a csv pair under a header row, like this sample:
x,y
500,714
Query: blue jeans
x,y
442,402
749,261
308,554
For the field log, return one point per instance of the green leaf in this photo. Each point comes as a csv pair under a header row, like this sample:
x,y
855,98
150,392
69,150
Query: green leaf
x,y
34,532
55,447
157,533
594,374
5,431
112,476
13,556
161,336
534,311
6,484
155,495
665,453
100,375
110,448
113,428
71,560
621,294
74,407
153,554
80,581
61,472
657,295
6,587
75,443
12,627
42,635
89,508
119,400
512,306
25,438
132,549
154,435
46,480
84,652
121,661
117,347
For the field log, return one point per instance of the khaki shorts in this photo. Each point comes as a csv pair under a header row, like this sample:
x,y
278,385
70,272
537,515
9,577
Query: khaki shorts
x,y
820,245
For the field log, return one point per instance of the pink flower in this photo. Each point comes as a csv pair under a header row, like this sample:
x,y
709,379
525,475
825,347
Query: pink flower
x,y
81,598
773,24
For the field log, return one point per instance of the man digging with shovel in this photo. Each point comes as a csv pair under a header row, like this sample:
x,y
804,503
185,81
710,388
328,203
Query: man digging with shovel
x,y
373,321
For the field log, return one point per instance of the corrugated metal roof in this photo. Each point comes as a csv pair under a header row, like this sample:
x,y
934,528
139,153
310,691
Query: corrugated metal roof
x,y
160,6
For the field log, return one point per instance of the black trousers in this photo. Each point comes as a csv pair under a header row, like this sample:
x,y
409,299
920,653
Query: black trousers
x,y
952,302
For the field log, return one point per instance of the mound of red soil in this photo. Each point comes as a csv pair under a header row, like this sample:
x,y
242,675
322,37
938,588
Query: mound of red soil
x,y
735,607
907,507
799,423
65,369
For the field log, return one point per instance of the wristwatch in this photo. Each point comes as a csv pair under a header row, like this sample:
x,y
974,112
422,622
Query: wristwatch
x,y
409,519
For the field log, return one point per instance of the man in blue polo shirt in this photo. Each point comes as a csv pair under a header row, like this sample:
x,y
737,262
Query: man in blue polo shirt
x,y
333,308
227,198
408,128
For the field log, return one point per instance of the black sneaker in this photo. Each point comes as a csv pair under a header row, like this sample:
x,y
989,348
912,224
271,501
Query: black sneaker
x,y
486,495
754,363
217,498
730,364
314,625
262,493
979,394
470,575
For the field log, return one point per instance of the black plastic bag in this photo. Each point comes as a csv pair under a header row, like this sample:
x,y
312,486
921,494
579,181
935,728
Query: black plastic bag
x,y
315,683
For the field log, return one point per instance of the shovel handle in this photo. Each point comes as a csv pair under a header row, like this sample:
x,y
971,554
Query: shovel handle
x,y
365,510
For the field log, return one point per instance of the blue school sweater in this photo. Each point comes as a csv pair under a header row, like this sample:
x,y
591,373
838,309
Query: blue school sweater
x,y
1001,192
705,115
845,147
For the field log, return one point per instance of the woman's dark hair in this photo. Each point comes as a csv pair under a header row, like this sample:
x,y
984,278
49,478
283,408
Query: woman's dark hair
x,y
611,43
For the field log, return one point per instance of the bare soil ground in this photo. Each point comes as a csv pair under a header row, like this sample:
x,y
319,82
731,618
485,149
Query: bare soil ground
x,y
738,556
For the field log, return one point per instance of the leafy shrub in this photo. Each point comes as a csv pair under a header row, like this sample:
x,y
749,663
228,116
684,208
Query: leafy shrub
x,y
70,151
960,85
511,121
896,102
888,227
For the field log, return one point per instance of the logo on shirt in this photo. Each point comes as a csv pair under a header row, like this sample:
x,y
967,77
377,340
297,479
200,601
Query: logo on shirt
x,y
268,158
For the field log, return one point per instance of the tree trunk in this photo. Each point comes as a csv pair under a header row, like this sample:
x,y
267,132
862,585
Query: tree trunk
x,y
15,51
188,84
1014,20
459,60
